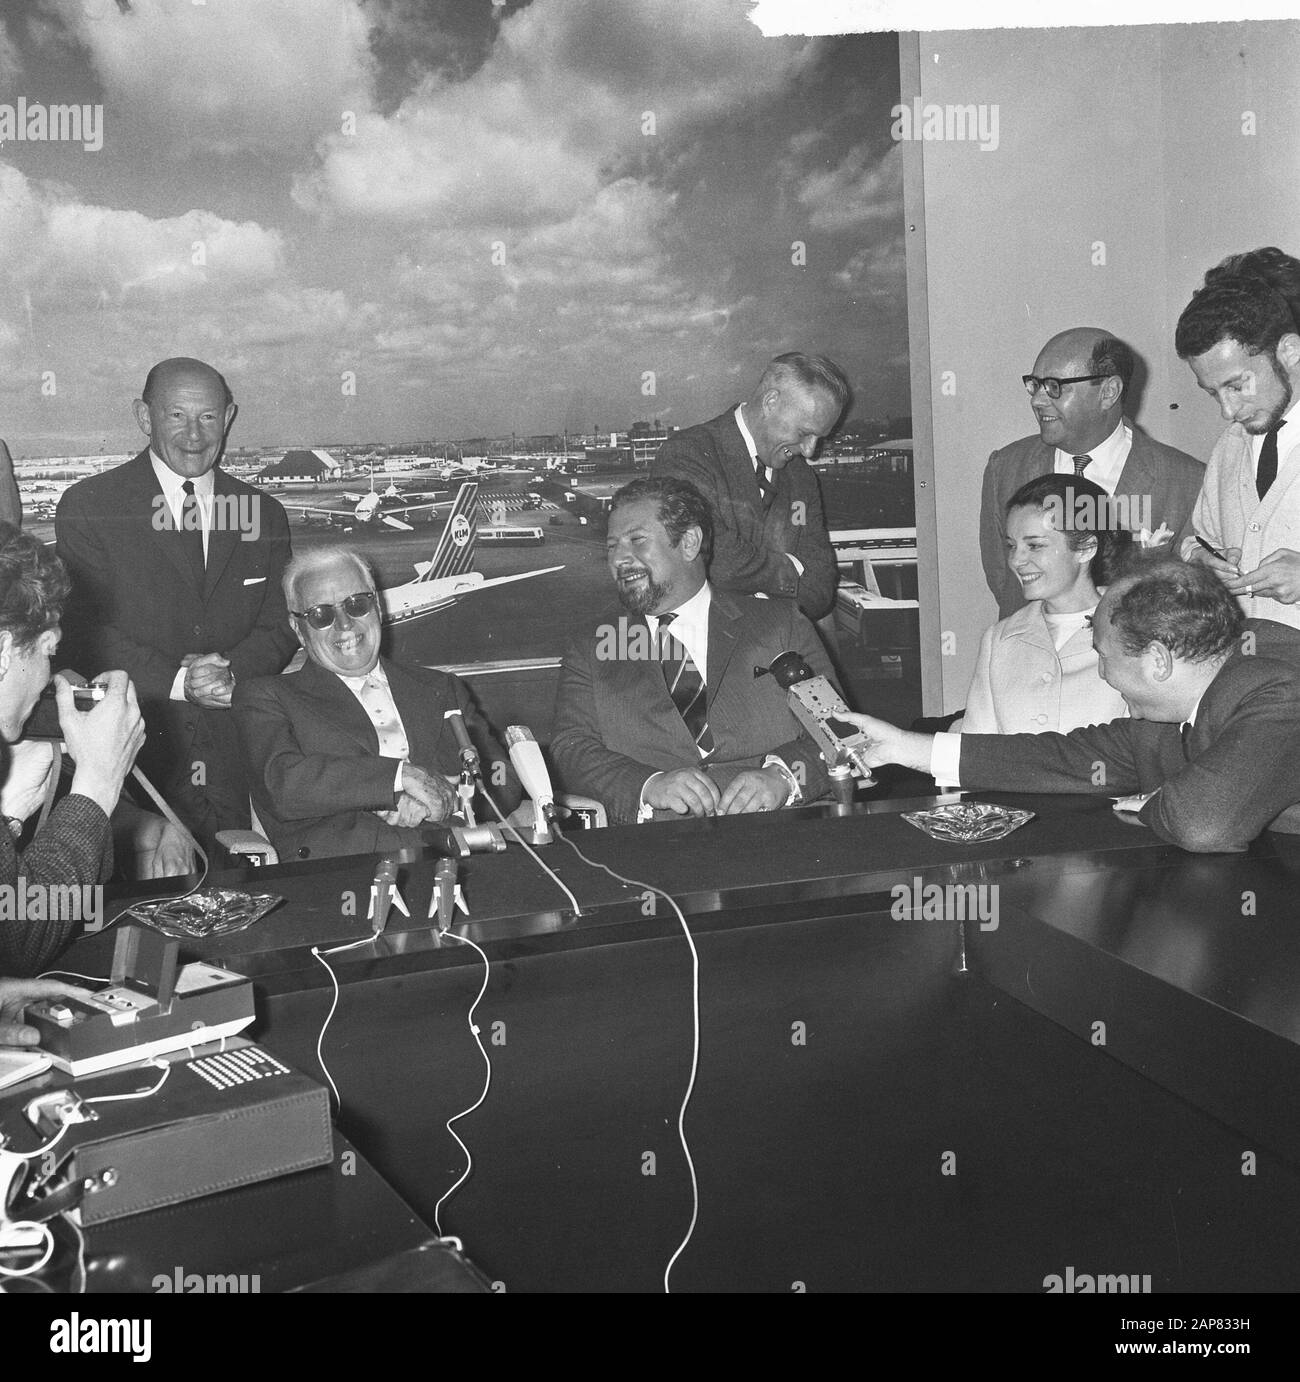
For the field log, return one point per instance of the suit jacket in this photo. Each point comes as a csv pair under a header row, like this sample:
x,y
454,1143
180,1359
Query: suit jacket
x,y
1022,684
750,545
137,605
1230,513
1238,773
615,723
312,756
74,848
1167,478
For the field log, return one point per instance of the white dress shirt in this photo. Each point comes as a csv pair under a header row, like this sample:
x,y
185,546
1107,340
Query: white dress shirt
x,y
1108,457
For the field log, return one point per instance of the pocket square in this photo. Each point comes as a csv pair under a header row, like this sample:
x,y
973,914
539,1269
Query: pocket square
x,y
254,580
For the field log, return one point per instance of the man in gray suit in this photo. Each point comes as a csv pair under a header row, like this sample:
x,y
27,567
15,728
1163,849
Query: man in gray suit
x,y
751,465
1077,390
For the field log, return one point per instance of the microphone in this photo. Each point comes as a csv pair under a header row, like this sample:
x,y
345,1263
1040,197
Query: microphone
x,y
444,887
816,704
468,753
381,893
528,762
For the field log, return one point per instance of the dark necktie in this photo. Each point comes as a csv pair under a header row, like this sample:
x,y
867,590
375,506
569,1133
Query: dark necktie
x,y
192,531
1081,463
685,686
766,487
1267,471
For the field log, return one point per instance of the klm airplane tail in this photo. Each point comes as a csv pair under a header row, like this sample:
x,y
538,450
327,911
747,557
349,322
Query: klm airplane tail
x,y
454,555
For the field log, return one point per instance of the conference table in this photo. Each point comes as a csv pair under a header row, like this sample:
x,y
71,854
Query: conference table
x,y
1073,1052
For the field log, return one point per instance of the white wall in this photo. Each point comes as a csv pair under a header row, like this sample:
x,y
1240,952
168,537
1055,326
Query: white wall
x,y
1124,168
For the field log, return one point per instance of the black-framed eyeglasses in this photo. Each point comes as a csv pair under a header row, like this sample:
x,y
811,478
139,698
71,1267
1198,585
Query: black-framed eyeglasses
x,y
1052,387
323,616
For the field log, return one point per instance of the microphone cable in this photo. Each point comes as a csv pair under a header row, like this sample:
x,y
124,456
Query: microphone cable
x,y
695,1043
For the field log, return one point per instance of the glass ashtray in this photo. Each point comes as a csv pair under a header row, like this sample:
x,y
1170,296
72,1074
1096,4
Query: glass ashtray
x,y
968,822
212,912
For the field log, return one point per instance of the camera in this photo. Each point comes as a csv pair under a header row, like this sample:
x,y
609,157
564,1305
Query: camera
x,y
87,697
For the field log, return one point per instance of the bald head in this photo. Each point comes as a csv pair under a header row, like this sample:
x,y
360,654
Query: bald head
x,y
185,410
1087,411
182,365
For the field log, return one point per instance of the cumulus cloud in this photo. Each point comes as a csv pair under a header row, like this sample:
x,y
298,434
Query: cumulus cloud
x,y
68,247
228,76
569,92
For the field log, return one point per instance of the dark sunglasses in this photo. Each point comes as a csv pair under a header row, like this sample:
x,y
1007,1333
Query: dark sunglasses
x,y
355,607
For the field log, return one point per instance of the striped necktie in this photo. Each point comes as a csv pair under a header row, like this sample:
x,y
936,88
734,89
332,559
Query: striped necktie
x,y
685,686
1081,463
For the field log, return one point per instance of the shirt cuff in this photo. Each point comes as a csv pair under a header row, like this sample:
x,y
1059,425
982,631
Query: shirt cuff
x,y
1189,548
178,684
774,761
644,811
945,758
795,562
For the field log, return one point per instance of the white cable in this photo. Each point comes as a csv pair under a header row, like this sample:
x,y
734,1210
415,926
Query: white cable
x,y
487,1084
158,1064
541,864
695,1046
320,954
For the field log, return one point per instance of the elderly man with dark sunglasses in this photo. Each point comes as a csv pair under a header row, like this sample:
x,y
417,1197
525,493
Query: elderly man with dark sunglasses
x,y
1078,392
351,754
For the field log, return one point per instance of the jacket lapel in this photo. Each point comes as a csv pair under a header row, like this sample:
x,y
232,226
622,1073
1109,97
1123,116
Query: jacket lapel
x,y
328,698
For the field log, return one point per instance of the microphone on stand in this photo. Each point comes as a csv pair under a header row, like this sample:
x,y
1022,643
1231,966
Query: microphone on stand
x,y
526,755
382,889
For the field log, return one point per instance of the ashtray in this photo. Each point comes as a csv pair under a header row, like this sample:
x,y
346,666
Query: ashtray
x,y
213,912
968,822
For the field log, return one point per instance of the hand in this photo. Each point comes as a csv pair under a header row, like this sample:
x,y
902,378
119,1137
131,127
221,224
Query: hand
x,y
1277,577
410,812
889,744
756,789
15,994
209,680
1226,571
688,791
161,851
103,741
429,792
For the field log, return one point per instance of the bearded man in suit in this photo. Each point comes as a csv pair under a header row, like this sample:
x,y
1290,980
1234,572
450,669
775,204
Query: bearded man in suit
x,y
351,753
176,579
1077,391
659,709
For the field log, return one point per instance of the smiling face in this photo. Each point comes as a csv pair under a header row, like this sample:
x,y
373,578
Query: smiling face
x,y
186,418
652,574
1086,413
1253,390
350,646
1041,560
790,420
26,672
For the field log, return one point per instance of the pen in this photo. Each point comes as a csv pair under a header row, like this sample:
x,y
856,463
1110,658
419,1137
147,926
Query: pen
x,y
1210,549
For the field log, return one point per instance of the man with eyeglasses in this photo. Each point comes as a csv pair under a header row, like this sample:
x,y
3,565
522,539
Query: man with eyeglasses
x,y
1077,390
176,571
351,753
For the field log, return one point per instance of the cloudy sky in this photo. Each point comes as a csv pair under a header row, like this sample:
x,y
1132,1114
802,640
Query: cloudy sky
x,y
496,217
